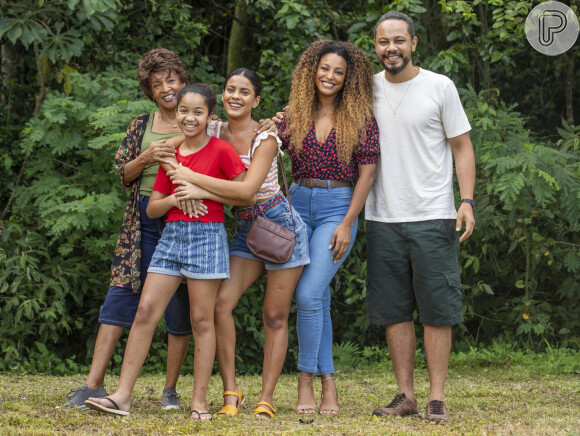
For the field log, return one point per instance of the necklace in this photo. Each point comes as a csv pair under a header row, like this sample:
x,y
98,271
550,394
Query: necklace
x,y
402,98
168,122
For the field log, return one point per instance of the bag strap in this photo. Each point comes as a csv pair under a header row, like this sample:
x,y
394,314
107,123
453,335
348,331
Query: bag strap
x,y
283,177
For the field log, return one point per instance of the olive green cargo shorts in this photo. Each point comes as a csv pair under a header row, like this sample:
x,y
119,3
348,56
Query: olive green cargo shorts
x,y
412,266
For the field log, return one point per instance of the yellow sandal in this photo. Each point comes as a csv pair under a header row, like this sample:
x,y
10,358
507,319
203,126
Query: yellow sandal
x,y
261,409
228,409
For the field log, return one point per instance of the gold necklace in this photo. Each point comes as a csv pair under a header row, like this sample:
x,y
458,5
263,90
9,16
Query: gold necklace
x,y
402,98
168,122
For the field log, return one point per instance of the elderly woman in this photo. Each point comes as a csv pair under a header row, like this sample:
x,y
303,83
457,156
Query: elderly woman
x,y
332,140
161,75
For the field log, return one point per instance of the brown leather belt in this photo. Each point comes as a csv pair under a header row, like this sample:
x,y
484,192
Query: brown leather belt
x,y
313,183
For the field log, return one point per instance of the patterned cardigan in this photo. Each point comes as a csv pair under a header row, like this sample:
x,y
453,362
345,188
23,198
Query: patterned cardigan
x,y
126,267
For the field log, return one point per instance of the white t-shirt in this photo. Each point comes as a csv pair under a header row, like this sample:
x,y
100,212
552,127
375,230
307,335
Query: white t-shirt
x,y
415,172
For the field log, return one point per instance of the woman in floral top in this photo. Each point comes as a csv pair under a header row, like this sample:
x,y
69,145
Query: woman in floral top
x,y
332,139
161,75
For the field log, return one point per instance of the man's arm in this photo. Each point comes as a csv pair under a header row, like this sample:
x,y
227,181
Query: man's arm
x,y
465,168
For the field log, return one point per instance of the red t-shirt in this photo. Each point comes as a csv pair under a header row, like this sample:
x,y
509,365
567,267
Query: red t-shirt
x,y
217,159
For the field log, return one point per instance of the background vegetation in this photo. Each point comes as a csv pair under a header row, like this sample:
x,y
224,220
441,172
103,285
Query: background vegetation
x,y
69,90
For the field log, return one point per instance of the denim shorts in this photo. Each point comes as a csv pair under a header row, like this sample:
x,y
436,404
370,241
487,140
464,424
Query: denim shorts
x,y
195,250
280,214
413,265
121,304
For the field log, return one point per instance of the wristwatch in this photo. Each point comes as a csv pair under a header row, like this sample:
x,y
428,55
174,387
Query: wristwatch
x,y
468,200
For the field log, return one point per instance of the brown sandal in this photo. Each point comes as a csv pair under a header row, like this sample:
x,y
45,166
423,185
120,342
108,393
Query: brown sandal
x,y
310,408
326,410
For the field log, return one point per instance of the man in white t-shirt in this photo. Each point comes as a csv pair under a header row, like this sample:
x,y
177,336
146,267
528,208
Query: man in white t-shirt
x,y
412,225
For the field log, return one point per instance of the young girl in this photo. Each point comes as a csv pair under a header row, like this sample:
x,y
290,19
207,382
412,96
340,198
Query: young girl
x,y
259,153
191,247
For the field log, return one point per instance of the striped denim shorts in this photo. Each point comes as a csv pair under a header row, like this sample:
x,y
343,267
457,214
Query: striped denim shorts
x,y
192,249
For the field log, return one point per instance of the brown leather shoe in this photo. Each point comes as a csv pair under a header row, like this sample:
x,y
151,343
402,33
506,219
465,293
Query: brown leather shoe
x,y
401,405
436,411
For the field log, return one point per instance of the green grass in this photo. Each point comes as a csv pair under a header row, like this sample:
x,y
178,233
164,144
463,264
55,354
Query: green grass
x,y
488,392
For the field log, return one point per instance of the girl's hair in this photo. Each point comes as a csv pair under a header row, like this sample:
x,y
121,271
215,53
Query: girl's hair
x,y
251,75
159,59
353,105
206,91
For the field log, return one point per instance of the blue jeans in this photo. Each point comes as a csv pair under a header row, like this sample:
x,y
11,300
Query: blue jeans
x,y
322,210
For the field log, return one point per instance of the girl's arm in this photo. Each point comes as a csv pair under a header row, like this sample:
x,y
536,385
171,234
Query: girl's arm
x,y
341,237
189,191
159,204
234,190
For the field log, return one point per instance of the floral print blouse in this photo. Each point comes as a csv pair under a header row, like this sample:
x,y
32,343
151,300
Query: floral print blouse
x,y
126,267
320,160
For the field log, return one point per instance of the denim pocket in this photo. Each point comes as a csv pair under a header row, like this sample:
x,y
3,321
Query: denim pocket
x,y
293,188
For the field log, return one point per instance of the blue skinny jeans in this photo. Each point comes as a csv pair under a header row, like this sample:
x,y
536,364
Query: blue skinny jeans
x,y
322,210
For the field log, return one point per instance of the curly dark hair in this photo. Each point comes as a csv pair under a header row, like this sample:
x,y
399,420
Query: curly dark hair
x,y
353,105
159,59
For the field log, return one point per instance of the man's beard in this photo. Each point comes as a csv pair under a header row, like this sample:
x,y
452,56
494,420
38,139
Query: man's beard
x,y
395,70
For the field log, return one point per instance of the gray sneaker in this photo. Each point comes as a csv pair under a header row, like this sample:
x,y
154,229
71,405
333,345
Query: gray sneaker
x,y
77,397
170,400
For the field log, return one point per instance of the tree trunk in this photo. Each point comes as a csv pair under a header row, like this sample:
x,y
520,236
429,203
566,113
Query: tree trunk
x,y
11,66
237,42
485,68
569,61
39,100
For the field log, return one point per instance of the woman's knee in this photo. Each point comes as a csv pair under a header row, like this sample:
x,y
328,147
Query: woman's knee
x,y
275,320
201,323
307,298
223,308
147,313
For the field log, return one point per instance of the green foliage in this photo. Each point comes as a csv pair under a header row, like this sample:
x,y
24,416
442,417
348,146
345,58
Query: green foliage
x,y
520,270
347,355
526,249
53,24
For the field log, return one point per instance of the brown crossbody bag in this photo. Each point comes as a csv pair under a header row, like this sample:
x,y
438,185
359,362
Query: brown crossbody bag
x,y
267,240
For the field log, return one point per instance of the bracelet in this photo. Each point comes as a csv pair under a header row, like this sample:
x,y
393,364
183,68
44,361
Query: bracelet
x,y
468,200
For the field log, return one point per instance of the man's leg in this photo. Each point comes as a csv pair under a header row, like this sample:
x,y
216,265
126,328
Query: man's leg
x,y
438,294
437,349
401,342
390,302
105,344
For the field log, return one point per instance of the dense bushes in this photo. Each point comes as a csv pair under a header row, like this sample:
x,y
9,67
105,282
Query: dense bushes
x,y
520,269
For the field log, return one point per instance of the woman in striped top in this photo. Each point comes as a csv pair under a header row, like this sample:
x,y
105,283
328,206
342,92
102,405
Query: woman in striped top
x,y
258,193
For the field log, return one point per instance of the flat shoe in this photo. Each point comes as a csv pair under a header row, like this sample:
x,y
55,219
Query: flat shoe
x,y
199,415
100,408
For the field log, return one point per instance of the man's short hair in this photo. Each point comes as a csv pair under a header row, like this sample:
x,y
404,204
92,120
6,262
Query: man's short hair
x,y
395,15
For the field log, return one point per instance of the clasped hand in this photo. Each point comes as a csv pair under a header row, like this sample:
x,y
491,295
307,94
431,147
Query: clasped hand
x,y
188,196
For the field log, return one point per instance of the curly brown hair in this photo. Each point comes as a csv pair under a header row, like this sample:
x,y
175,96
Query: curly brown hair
x,y
159,59
353,105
